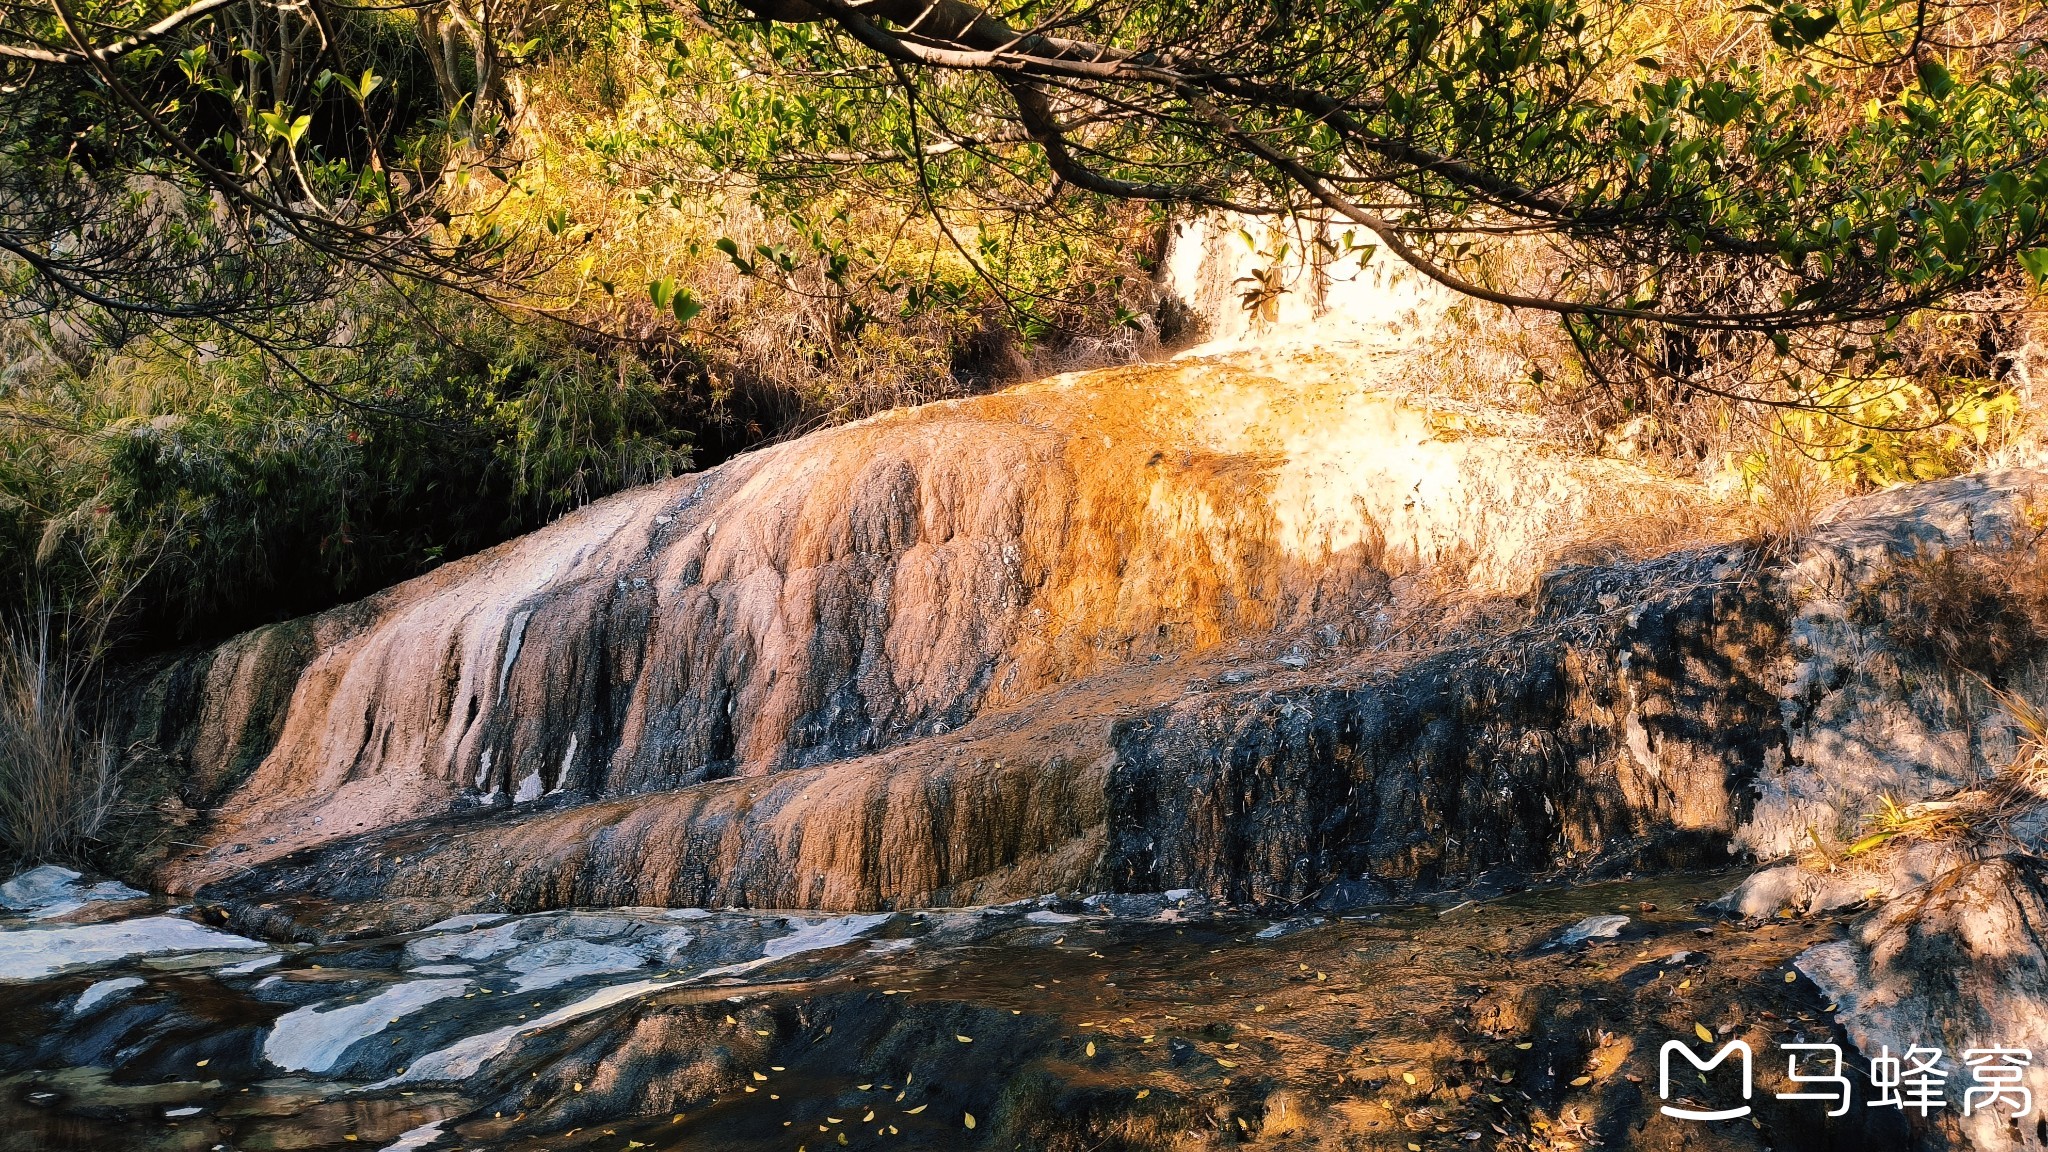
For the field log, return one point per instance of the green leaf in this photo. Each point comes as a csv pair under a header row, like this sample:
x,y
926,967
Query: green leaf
x,y
280,125
192,62
685,306
359,90
2035,261
1812,27
1934,79
731,249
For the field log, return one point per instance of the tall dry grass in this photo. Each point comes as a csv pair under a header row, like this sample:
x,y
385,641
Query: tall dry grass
x,y
58,778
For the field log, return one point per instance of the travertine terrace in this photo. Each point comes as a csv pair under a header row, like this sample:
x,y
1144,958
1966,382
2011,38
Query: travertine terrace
x,y
856,598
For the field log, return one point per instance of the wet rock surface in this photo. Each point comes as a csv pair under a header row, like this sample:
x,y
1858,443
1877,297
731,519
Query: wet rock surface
x,y
1627,724
1622,729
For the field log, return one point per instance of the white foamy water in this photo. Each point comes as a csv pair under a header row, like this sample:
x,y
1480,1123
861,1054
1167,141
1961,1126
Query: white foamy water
x,y
312,1039
33,953
415,1139
467,1057
560,961
104,990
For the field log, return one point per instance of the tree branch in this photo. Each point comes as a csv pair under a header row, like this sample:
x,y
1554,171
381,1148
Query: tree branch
x,y
121,47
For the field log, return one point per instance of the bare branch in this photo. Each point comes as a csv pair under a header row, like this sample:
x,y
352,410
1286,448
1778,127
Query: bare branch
x,y
121,47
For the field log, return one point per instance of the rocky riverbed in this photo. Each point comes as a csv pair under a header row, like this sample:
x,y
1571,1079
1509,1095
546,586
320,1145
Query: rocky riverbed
x,y
1522,1020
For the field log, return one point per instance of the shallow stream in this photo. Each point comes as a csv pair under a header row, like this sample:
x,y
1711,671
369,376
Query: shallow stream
x,y
1121,1022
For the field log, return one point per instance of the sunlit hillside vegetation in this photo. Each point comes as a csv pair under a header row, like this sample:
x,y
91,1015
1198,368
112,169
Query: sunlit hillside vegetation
x,y
169,479
295,312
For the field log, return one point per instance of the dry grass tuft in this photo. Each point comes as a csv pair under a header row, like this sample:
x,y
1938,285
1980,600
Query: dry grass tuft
x,y
1788,494
58,780
1653,522
1980,610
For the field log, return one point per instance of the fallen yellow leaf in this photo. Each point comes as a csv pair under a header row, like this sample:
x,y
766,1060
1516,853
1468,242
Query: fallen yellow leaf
x,y
1700,1030
968,1117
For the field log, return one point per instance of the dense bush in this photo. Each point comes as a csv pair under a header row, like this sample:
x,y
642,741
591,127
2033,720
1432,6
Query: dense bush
x,y
176,492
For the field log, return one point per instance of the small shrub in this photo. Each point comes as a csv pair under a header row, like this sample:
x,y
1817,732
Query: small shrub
x,y
57,778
